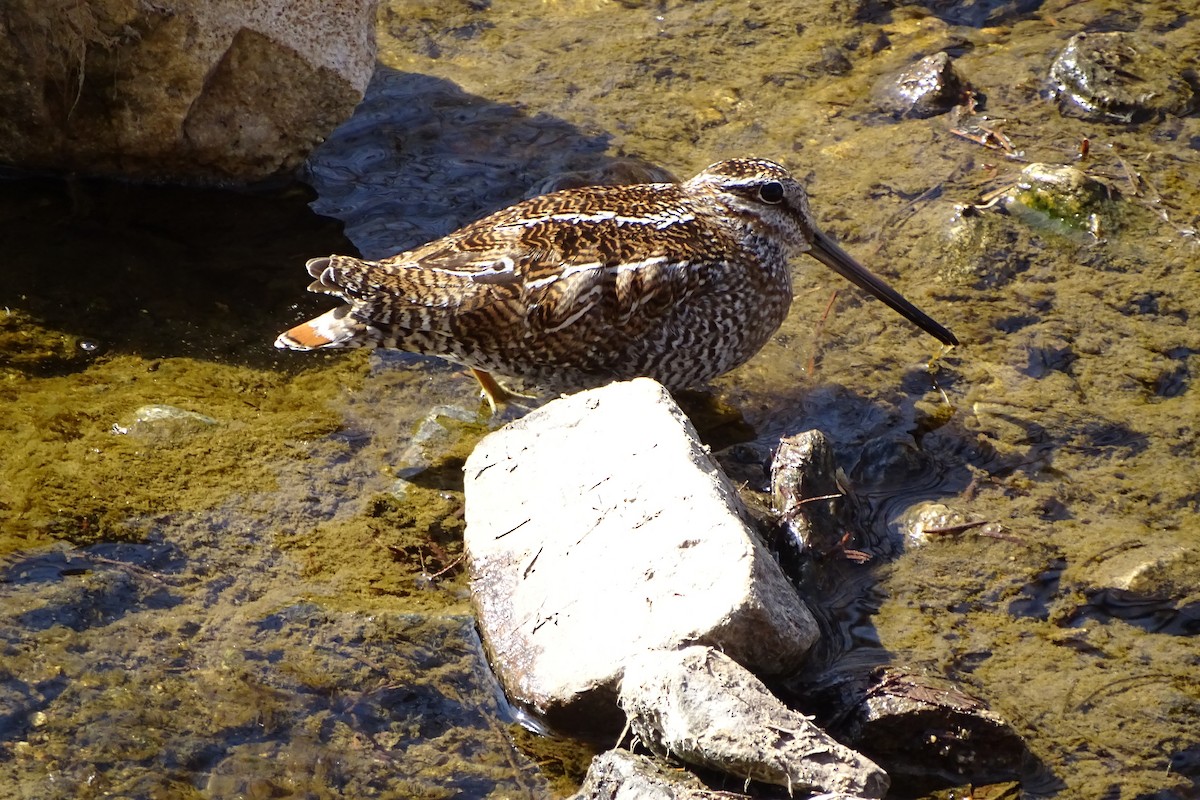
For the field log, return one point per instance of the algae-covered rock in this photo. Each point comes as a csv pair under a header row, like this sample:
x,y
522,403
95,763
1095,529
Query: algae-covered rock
x,y
1063,197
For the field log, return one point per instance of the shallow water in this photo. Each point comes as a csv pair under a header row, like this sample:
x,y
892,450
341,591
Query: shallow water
x,y
247,605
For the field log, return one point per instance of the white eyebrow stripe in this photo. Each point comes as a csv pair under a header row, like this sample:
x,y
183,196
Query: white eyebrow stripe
x,y
659,220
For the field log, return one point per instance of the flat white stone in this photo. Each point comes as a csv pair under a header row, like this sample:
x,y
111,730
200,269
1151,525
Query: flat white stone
x,y
598,527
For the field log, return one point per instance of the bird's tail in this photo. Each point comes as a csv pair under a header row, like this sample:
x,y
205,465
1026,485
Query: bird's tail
x,y
338,327
335,328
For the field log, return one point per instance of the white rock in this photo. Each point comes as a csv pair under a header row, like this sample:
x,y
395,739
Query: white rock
x,y
701,707
598,528
622,775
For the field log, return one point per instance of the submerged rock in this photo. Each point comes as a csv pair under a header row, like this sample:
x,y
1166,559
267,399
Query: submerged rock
x,y
438,433
926,519
1059,197
924,731
927,88
1148,578
163,423
699,706
1063,197
598,527
1119,77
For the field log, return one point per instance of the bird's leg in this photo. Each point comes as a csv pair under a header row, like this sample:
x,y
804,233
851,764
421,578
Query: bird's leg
x,y
497,395
493,392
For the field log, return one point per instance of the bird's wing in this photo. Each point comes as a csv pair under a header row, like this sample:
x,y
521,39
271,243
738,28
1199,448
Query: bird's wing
x,y
542,266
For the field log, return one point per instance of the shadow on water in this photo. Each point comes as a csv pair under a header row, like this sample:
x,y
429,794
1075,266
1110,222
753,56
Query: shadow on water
x,y
420,158
96,268
119,578
972,13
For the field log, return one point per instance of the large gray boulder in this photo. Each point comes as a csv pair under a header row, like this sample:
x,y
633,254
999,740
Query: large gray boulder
x,y
599,528
206,91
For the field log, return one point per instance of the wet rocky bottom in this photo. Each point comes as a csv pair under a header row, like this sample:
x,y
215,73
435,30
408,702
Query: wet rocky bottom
x,y
226,570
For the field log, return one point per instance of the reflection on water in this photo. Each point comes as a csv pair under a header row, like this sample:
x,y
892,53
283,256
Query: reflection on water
x,y
249,607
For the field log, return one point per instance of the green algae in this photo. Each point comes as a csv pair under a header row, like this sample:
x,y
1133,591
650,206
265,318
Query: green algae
x,y
1053,678
563,761
27,347
402,547
68,474
267,709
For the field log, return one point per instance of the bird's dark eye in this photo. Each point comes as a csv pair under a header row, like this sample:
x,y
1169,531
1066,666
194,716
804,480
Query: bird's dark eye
x,y
771,192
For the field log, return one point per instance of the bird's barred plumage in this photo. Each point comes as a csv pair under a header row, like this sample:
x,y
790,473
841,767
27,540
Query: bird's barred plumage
x,y
680,282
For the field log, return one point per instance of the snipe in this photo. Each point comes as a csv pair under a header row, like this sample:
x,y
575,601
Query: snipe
x,y
678,282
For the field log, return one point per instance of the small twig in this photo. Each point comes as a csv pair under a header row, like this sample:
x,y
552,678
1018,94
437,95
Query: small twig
x,y
951,530
532,561
812,355
443,570
989,138
948,530
833,496
157,577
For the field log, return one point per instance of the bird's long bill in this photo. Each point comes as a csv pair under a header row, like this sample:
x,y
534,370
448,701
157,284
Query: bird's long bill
x,y
828,253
